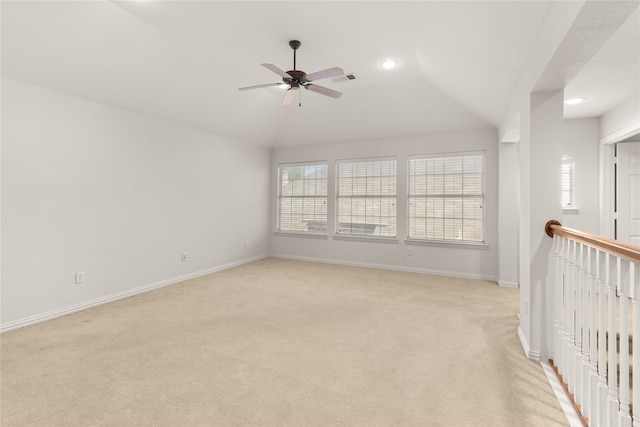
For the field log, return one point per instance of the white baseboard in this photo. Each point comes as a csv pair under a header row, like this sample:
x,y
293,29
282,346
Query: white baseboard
x,y
508,284
145,288
120,295
387,267
533,355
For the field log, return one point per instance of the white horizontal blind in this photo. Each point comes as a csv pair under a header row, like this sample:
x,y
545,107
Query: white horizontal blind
x,y
366,197
302,197
568,166
446,197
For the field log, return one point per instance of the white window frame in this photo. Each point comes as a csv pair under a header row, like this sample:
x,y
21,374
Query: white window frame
x,y
413,195
310,216
569,185
362,229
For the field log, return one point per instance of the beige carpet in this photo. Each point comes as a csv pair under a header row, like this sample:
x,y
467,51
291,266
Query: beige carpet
x,y
283,343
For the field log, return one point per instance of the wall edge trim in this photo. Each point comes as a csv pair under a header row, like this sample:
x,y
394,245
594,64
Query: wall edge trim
x,y
533,355
508,284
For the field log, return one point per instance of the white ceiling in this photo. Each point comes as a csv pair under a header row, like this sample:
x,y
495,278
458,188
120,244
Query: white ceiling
x,y
611,76
183,61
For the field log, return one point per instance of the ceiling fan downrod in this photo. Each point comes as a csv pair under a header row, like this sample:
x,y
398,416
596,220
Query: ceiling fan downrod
x,y
295,44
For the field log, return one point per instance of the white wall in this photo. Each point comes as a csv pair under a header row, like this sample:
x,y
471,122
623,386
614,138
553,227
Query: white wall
x,y
443,259
622,121
540,161
508,215
616,125
581,143
120,196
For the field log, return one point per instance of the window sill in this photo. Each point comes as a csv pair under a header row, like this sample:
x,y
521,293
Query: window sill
x,y
376,239
448,243
301,234
570,211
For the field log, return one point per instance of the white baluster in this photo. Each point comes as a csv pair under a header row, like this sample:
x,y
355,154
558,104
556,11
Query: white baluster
x,y
634,273
580,314
574,384
612,397
586,318
593,334
586,330
558,288
624,291
602,338
569,316
558,353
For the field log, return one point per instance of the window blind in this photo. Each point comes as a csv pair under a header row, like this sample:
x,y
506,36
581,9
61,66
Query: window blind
x,y
302,197
568,166
446,197
366,197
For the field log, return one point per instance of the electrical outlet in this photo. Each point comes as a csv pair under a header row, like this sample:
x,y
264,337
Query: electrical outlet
x,y
246,244
410,251
80,277
185,257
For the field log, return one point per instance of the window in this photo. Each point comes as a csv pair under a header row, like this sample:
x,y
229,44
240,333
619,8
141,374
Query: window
x,y
568,165
366,197
302,197
446,197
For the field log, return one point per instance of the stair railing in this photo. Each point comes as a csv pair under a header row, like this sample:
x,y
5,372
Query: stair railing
x,y
597,279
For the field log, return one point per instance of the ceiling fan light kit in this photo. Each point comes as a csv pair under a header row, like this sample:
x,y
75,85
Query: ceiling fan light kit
x,y
294,79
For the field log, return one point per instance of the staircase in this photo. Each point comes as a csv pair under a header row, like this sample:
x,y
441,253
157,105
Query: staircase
x,y
595,304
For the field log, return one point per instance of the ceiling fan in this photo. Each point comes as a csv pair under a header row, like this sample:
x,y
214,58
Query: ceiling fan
x,y
295,79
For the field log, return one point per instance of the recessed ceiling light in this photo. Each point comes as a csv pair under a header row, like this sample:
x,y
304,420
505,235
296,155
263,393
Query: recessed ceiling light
x,y
389,63
574,101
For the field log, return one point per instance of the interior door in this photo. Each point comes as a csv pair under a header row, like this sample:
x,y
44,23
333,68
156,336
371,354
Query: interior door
x,y
628,192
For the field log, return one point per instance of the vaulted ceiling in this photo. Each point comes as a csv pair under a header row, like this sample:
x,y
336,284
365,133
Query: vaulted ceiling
x,y
183,61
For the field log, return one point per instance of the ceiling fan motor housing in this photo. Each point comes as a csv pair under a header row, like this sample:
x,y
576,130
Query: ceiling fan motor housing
x,y
297,78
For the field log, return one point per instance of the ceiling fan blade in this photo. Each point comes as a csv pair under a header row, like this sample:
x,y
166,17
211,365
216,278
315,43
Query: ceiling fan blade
x,y
324,91
259,86
276,70
324,74
290,95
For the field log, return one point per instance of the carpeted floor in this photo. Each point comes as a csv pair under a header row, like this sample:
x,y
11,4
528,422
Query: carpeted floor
x,y
283,343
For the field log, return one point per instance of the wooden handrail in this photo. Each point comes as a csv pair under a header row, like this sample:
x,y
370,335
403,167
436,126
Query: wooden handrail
x,y
615,247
